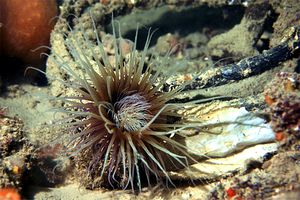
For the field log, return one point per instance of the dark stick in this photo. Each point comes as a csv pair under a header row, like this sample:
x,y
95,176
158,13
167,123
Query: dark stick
x,y
249,66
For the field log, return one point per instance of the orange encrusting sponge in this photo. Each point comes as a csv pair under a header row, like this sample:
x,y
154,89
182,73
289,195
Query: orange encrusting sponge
x,y
24,26
9,194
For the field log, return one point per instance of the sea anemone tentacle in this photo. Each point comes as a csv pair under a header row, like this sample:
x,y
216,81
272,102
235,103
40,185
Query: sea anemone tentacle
x,y
124,128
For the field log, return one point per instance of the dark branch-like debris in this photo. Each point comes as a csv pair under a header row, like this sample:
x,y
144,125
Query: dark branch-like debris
x,y
249,66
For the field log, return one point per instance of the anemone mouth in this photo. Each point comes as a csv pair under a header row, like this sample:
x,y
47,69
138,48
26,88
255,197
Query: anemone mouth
x,y
131,113
119,116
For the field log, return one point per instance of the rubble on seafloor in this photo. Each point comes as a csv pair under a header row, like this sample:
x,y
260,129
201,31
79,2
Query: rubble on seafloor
x,y
15,152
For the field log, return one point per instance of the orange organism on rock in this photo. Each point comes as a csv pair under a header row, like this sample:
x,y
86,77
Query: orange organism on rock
x,y
9,194
269,100
24,26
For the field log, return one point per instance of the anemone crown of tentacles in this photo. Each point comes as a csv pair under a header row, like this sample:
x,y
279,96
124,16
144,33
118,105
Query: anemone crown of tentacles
x,y
124,130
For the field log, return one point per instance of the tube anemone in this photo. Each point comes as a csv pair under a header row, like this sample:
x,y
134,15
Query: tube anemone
x,y
122,126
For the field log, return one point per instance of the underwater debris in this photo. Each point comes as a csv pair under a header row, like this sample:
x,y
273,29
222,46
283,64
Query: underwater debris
x,y
248,66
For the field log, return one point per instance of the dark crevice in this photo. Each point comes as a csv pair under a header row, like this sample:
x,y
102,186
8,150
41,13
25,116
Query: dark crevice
x,y
297,69
14,73
182,21
264,41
